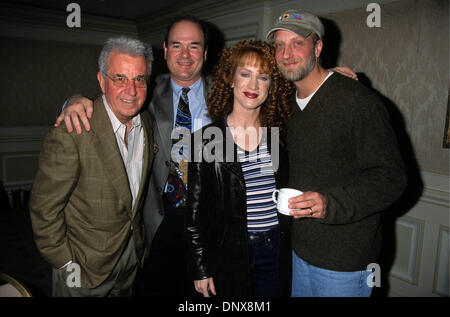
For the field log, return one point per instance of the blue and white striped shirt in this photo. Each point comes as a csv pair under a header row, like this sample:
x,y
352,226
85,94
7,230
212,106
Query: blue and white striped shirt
x,y
260,184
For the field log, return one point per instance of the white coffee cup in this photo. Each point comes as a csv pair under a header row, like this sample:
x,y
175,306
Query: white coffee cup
x,y
284,194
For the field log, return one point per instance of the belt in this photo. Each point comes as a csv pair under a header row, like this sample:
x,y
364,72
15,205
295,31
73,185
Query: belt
x,y
266,235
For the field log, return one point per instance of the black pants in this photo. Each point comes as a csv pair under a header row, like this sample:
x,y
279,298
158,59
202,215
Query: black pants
x,y
165,269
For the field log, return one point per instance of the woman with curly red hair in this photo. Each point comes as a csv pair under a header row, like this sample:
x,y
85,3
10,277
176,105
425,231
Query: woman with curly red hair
x,y
239,244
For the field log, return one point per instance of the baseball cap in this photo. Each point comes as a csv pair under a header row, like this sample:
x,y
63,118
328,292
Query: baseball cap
x,y
300,22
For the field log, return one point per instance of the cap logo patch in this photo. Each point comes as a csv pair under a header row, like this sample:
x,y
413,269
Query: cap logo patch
x,y
287,16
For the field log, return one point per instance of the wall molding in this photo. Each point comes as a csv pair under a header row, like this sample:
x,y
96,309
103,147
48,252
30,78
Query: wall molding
x,y
21,21
10,180
441,272
20,143
436,189
222,13
22,139
410,274
30,133
421,263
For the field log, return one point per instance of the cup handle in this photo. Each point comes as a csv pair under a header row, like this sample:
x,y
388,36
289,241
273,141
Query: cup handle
x,y
273,196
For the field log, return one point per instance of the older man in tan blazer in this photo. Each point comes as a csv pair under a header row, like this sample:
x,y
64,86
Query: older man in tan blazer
x,y
88,193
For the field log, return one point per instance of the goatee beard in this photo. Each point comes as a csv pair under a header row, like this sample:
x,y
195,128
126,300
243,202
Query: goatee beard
x,y
301,72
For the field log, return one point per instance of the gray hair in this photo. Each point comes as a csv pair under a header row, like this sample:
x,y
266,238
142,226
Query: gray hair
x,y
125,45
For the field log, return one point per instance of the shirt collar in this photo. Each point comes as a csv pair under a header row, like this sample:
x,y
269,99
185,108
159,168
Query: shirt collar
x,y
195,87
116,124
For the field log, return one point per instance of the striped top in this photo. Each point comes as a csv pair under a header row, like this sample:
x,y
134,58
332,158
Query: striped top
x,y
260,184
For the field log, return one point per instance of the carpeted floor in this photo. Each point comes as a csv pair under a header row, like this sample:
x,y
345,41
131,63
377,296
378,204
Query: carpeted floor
x,y
19,256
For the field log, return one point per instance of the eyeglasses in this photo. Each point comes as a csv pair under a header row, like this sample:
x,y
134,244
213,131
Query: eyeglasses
x,y
122,81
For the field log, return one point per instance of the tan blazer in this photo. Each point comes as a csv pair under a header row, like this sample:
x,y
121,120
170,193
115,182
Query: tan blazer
x,y
80,204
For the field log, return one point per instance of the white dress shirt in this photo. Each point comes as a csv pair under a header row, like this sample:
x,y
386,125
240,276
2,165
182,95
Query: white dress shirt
x,y
133,154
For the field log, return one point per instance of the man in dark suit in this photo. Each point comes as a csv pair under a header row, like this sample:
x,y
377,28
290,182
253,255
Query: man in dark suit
x,y
87,198
185,51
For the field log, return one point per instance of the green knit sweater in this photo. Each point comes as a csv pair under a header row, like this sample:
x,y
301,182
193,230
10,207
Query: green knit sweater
x,y
343,146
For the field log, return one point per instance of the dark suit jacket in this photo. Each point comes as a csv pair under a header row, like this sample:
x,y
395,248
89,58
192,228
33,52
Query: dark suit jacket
x,y
161,109
81,203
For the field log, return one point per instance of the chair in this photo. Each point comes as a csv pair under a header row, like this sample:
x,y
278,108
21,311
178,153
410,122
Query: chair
x,y
11,287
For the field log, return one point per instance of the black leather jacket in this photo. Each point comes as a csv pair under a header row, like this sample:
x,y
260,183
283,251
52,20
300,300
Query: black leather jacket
x,y
216,220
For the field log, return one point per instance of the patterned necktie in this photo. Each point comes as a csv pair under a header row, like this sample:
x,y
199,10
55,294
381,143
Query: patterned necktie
x,y
177,180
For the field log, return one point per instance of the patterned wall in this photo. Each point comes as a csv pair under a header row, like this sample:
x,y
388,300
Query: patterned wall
x,y
37,76
407,61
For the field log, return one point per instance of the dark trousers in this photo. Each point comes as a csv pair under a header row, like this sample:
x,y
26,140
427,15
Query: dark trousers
x,y
263,248
165,269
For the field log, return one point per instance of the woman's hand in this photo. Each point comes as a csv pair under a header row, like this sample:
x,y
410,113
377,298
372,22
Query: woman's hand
x,y
205,286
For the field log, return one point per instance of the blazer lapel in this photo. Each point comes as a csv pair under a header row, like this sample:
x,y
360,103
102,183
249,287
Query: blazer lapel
x,y
162,105
206,85
105,145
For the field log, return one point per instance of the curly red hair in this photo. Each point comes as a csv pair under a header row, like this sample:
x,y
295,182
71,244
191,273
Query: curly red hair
x,y
275,111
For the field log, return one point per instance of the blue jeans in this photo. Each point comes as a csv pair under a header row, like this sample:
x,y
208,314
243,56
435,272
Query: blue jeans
x,y
312,281
263,249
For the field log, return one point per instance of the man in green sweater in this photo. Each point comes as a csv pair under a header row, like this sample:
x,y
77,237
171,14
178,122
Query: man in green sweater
x,y
344,156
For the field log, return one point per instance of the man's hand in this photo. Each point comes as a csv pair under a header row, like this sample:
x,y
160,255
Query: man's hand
x,y
310,205
205,286
346,71
78,108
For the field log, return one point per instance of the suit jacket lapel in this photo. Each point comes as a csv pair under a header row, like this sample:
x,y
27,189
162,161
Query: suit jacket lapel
x,y
162,104
206,86
105,145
